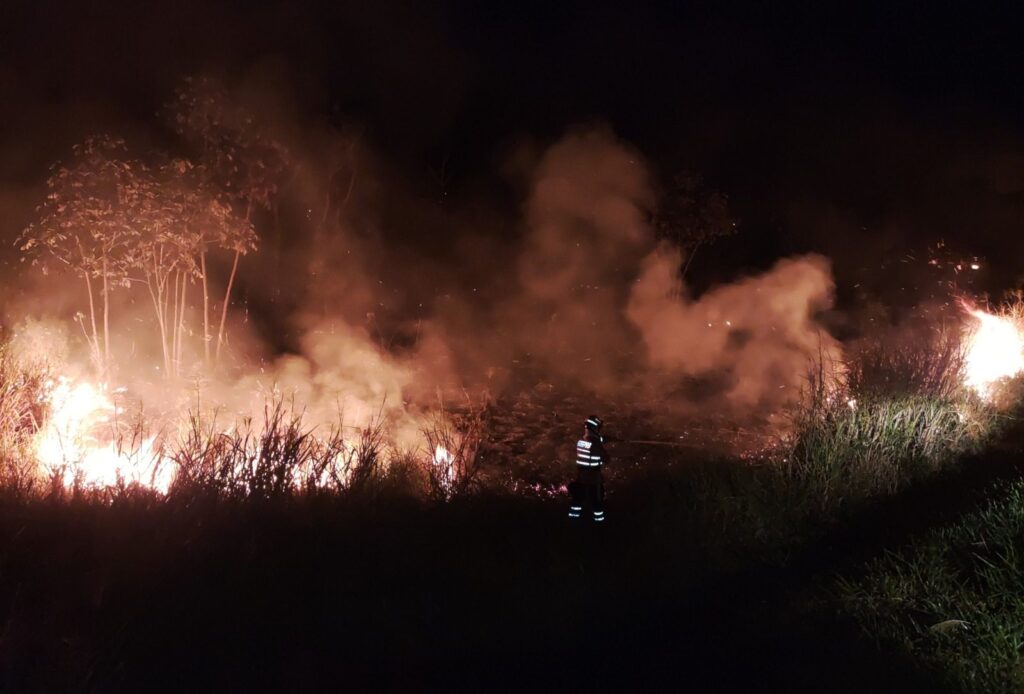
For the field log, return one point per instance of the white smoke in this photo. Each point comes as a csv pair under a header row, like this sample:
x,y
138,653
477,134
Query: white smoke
x,y
586,235
758,336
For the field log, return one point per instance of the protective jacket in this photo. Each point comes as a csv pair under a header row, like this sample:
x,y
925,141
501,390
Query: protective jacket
x,y
590,456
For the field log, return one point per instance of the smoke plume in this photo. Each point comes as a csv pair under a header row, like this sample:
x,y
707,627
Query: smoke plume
x,y
756,338
586,234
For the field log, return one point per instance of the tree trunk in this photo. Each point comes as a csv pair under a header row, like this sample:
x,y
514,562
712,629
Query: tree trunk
x,y
181,320
106,320
227,293
224,308
94,340
206,310
174,322
156,297
160,318
164,284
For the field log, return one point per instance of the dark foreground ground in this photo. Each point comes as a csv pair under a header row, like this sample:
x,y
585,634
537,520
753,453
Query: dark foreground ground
x,y
490,593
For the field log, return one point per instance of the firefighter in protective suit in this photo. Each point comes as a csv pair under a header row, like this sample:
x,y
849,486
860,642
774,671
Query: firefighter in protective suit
x,y
588,490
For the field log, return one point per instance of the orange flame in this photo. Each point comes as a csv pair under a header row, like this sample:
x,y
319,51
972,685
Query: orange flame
x,y
444,461
76,442
995,351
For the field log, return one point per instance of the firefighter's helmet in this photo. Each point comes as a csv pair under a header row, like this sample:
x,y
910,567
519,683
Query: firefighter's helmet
x,y
594,424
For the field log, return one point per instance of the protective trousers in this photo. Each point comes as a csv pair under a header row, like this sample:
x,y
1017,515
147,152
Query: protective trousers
x,y
587,495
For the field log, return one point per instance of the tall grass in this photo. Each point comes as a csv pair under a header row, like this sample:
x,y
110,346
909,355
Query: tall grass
x,y
276,456
22,409
929,365
953,602
890,413
453,452
281,457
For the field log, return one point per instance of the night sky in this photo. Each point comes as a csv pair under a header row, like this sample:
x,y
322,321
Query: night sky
x,y
864,133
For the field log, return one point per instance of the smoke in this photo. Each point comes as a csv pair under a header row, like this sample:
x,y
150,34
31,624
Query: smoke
x,y
601,301
586,298
586,233
368,299
755,338
337,375
398,262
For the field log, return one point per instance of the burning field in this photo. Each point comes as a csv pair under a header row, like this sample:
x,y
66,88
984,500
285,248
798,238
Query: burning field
x,y
305,306
146,349
81,433
221,332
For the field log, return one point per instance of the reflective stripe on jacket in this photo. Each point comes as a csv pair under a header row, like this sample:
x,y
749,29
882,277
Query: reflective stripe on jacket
x,y
590,453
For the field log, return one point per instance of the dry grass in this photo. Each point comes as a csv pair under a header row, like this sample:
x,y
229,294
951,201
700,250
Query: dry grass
x,y
22,410
931,366
279,457
895,411
452,456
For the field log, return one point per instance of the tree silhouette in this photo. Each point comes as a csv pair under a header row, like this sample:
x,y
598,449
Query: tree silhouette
x,y
87,223
241,156
181,220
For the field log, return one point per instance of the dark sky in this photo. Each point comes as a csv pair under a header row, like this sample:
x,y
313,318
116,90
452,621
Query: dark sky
x,y
859,132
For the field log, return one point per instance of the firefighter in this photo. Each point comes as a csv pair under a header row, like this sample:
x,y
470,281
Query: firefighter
x,y
588,490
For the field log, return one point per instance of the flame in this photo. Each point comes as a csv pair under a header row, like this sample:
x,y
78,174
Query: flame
x,y
442,456
78,442
444,461
995,350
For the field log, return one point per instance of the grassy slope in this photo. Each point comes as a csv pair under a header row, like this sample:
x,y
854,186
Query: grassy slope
x,y
954,599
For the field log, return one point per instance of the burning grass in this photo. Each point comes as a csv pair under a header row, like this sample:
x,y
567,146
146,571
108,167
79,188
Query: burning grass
x,y
22,410
896,414
63,437
892,413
